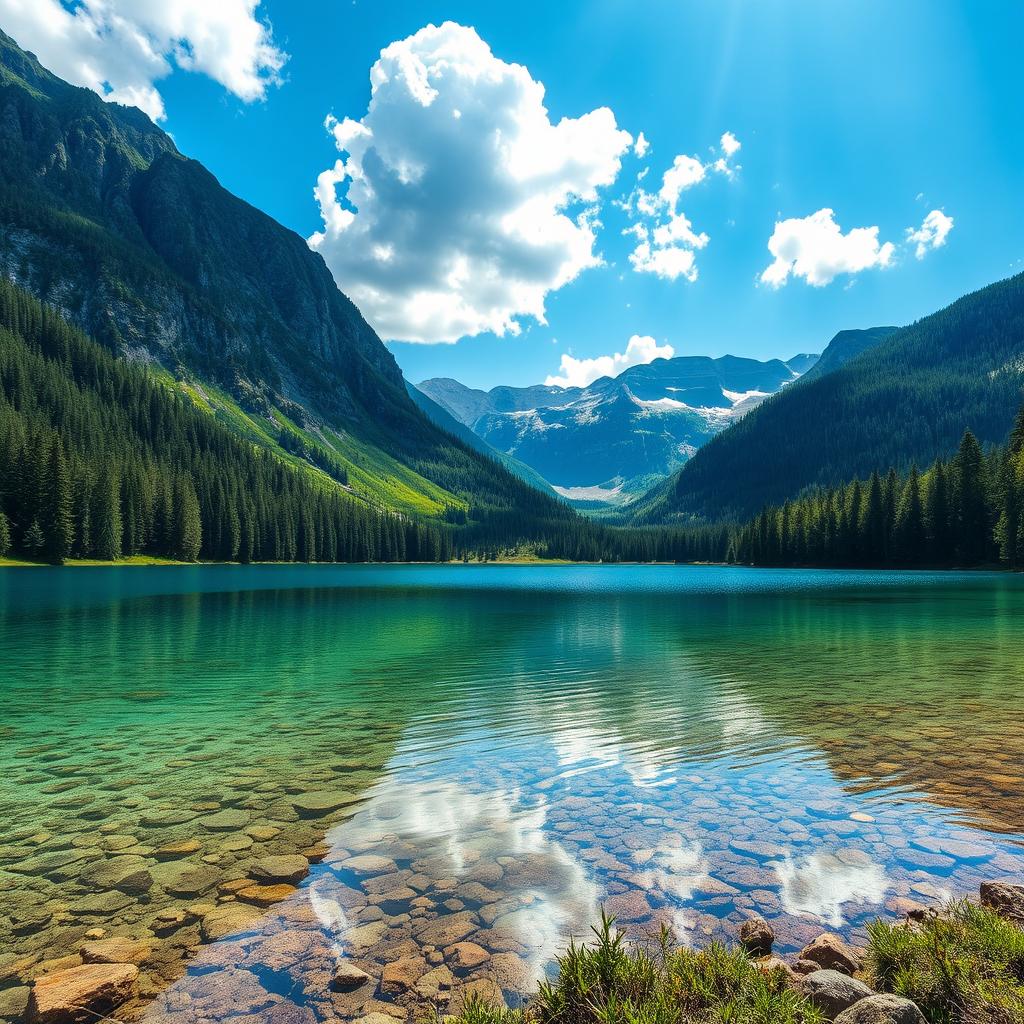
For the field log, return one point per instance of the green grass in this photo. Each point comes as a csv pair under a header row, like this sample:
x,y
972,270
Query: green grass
x,y
610,982
963,966
373,474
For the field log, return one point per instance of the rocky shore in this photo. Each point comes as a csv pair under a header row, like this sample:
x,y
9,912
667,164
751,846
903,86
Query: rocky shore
x,y
253,974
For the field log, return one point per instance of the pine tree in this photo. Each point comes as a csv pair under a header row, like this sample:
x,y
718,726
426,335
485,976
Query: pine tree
x,y
971,509
58,526
188,529
106,515
910,530
5,535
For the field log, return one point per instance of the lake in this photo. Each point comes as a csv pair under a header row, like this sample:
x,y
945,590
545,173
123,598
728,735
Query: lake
x,y
475,759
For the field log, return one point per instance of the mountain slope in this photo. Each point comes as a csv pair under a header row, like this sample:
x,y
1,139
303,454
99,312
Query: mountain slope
x,y
102,218
847,345
907,400
447,422
612,439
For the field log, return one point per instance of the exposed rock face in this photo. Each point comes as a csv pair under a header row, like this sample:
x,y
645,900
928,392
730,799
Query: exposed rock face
x,y
882,1009
78,994
756,937
832,992
830,952
1005,899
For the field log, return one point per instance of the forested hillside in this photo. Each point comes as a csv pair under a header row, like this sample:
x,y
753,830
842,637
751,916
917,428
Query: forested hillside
x,y
100,460
964,512
908,400
102,218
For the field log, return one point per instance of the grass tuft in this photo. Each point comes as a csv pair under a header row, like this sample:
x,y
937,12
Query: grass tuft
x,y
962,966
610,982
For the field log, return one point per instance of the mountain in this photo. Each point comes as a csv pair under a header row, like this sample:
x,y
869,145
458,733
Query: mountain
x,y
906,400
447,422
612,439
847,345
102,218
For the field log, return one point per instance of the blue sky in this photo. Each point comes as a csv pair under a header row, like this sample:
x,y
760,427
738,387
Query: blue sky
x,y
880,112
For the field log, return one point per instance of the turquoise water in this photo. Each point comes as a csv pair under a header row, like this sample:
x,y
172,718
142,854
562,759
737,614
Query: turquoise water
x,y
512,747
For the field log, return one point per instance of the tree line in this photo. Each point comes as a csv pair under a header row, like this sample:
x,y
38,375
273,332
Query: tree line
x,y
964,512
100,460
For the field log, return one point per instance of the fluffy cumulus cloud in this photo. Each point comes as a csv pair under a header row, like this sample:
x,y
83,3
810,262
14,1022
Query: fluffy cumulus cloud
x,y
578,373
122,48
666,243
816,249
931,234
457,204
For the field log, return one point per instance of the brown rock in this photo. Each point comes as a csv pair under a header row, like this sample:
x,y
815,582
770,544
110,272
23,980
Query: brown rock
x,y
629,906
182,848
288,868
228,919
347,977
770,964
78,994
1006,899
265,895
756,937
830,952
464,955
484,989
115,951
401,975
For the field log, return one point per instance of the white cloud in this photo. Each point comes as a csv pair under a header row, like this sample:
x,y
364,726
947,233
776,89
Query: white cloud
x,y
666,242
931,234
122,48
578,373
457,205
641,147
816,249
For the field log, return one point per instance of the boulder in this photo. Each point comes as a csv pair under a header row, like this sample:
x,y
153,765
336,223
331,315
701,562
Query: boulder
x,y
348,977
265,895
115,951
882,1009
401,975
290,868
832,992
181,848
831,953
1006,899
770,964
464,955
317,805
128,874
756,937
78,994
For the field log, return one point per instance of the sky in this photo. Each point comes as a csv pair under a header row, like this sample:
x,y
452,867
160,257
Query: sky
x,y
535,192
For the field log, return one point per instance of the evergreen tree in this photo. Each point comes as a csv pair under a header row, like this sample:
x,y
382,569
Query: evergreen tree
x,y
188,529
910,544
5,535
59,526
971,508
106,516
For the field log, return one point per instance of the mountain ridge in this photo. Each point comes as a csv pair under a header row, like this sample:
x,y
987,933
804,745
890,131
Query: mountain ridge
x,y
611,439
906,400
